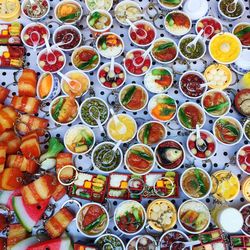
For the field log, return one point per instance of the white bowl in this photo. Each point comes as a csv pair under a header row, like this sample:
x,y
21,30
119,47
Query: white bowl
x,y
183,151
239,126
166,39
78,214
77,127
79,72
198,107
138,237
232,18
237,159
238,24
170,8
196,8
194,73
244,128
137,86
50,114
64,2
85,47
53,49
244,232
113,235
205,209
108,65
34,18
88,99
31,25
144,73
129,117
214,141
87,5
67,26
187,194
157,92
126,156
211,91
93,162
164,127
142,22
110,56
202,43
126,204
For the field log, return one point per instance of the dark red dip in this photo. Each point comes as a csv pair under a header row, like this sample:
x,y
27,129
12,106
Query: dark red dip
x,y
62,37
171,237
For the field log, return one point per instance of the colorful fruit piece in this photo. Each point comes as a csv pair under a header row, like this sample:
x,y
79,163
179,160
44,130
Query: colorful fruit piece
x,y
25,104
24,164
63,243
28,215
12,140
3,94
16,234
45,85
3,150
24,244
10,179
39,190
56,225
27,83
30,146
6,198
7,118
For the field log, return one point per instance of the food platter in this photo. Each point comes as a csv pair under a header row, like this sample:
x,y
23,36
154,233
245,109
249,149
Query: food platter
x,y
176,93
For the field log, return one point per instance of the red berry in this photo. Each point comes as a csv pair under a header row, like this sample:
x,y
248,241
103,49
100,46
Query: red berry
x,y
117,70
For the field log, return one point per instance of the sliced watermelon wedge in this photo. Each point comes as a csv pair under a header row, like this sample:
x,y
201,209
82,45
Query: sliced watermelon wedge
x,y
63,243
24,244
28,215
6,197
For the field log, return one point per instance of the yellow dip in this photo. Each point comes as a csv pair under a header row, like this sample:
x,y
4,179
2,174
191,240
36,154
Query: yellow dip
x,y
115,128
227,186
225,48
80,77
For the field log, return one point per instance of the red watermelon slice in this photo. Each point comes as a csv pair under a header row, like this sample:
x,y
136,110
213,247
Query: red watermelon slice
x,y
28,215
6,197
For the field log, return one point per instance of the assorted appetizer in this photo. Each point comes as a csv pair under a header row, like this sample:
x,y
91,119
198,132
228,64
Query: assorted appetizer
x,y
178,23
92,220
210,25
85,58
171,236
130,217
243,159
64,110
162,107
196,183
51,62
227,130
78,77
216,103
239,242
124,130
242,31
30,35
194,216
169,154
139,159
104,159
191,53
109,79
164,50
161,215
67,37
191,84
93,109
158,80
225,48
136,64
151,133
133,97
202,148
110,45
226,185
143,35
79,139
190,115
68,12
35,11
